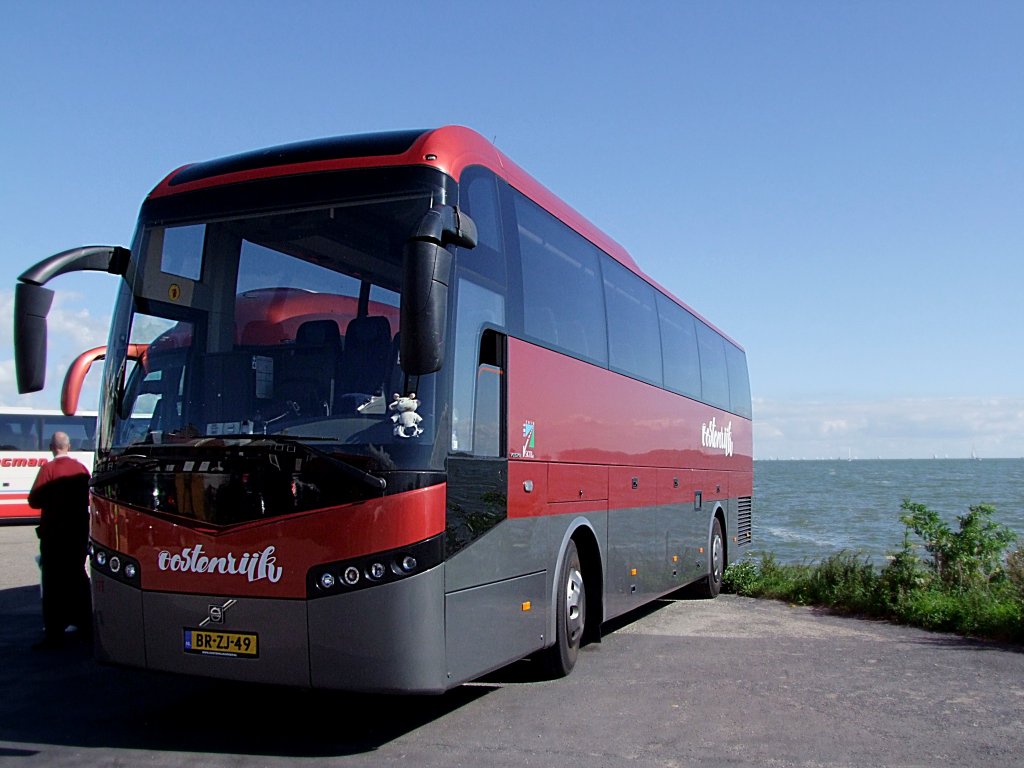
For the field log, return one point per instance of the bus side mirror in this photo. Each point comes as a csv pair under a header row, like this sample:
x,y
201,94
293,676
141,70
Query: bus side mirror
x,y
31,305
427,266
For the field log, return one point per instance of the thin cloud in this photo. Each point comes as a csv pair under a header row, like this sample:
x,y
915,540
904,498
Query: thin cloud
x,y
897,428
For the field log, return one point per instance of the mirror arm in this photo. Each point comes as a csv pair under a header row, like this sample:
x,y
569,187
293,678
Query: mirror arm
x,y
95,258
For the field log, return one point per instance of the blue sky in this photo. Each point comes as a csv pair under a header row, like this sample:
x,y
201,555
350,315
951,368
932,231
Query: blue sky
x,y
839,186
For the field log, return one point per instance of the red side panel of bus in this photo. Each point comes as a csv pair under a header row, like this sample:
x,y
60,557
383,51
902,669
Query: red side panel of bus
x,y
606,436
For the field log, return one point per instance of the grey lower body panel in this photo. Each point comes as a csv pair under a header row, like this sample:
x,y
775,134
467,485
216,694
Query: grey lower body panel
x,y
149,629
117,621
387,639
652,551
494,624
279,627
497,597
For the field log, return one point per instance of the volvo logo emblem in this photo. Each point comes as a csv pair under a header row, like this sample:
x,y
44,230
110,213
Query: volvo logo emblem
x,y
215,613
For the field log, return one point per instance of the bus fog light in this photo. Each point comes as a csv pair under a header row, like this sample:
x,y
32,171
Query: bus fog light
x,y
409,563
101,557
115,564
130,570
377,571
327,581
351,575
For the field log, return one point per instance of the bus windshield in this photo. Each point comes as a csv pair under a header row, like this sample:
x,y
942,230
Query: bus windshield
x,y
279,325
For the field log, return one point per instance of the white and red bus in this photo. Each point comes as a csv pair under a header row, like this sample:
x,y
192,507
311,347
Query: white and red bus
x,y
382,413
25,446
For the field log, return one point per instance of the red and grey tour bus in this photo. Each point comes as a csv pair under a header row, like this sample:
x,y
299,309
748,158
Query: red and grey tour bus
x,y
25,447
382,413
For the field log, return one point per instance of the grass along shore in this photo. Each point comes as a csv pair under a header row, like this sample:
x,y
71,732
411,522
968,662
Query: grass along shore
x,y
964,580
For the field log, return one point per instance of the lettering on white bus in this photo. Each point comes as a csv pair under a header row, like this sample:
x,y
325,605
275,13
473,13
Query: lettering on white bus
x,y
21,462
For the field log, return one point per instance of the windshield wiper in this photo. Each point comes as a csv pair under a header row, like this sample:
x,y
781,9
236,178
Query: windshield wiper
x,y
374,481
125,465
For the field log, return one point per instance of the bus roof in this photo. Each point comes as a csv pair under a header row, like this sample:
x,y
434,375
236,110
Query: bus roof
x,y
451,149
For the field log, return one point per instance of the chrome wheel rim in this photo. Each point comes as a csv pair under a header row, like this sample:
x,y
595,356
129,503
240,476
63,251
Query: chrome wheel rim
x,y
575,607
716,559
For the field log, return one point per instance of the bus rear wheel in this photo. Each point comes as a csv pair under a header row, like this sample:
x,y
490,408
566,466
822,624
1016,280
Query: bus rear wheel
x,y
570,618
711,585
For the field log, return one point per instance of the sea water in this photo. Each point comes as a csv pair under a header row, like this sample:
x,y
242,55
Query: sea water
x,y
807,510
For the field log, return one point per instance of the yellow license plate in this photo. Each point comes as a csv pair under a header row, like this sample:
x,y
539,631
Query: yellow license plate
x,y
217,643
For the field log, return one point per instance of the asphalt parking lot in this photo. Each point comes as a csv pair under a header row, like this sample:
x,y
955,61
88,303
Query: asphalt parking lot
x,y
729,682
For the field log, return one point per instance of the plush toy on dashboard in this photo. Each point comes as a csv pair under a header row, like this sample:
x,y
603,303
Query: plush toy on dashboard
x,y
407,421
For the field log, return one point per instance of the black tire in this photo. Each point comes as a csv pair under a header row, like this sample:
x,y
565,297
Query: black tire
x,y
709,587
570,617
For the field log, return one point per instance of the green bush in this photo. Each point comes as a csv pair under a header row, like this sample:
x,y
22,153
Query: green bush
x,y
902,575
995,614
741,578
844,580
965,558
931,608
766,577
1015,572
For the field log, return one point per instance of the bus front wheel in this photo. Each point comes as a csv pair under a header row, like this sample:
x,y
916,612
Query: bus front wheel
x,y
570,618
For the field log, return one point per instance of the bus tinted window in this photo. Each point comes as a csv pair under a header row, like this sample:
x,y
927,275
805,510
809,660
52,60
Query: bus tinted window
x,y
634,343
82,432
714,374
679,348
18,433
563,304
479,197
477,308
739,382
182,251
32,431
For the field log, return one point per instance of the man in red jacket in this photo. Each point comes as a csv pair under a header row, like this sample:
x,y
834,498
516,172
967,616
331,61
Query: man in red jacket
x,y
61,492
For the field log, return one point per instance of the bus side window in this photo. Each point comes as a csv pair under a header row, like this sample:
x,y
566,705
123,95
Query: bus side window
x,y
475,390
739,381
487,419
479,196
680,358
634,337
80,431
563,298
714,374
7,437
